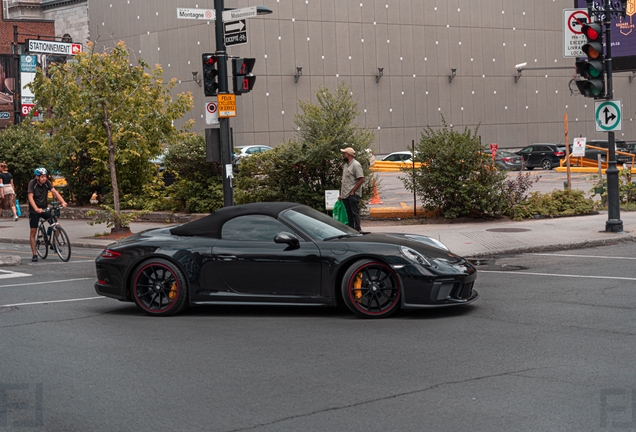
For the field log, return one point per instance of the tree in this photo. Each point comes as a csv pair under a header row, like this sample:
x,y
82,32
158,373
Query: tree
x,y
22,148
101,108
300,171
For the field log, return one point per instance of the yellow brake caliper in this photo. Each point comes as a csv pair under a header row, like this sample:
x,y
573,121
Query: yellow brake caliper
x,y
173,291
357,287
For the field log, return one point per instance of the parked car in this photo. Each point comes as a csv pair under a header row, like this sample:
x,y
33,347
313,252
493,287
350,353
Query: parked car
x,y
543,155
631,146
620,146
399,156
505,160
282,253
247,150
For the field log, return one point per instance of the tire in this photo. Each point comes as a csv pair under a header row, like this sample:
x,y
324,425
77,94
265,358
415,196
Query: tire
x,y
371,289
61,244
546,164
159,288
41,247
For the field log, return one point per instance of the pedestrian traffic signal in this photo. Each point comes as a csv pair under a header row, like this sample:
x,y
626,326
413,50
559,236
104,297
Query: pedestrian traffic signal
x,y
242,78
592,69
210,74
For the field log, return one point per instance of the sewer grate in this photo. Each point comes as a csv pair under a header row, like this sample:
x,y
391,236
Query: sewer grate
x,y
508,230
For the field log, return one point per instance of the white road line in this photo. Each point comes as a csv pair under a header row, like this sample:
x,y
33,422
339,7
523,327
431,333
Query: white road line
x,y
6,274
586,256
509,272
51,301
42,263
46,282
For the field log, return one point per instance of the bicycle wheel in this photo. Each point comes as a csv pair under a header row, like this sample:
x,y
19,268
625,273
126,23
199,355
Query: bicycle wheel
x,y
61,243
41,246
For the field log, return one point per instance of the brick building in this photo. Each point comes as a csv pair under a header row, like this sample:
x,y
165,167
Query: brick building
x,y
52,20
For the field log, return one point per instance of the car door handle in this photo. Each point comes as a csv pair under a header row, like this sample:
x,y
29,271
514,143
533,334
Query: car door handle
x,y
226,257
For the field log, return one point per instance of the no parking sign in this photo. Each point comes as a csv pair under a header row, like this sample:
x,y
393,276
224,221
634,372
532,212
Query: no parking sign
x,y
211,113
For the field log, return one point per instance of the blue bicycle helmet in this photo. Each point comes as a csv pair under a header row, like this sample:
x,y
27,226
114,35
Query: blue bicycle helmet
x,y
39,171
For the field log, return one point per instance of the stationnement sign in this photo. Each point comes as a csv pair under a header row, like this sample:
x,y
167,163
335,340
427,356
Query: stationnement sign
x,y
573,37
227,105
52,47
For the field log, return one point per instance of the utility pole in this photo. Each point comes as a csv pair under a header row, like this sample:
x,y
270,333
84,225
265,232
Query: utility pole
x,y
224,123
614,222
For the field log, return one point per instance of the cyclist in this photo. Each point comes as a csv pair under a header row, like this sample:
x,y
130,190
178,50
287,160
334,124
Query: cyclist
x,y
38,192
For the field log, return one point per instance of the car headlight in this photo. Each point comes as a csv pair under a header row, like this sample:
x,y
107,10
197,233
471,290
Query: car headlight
x,y
415,256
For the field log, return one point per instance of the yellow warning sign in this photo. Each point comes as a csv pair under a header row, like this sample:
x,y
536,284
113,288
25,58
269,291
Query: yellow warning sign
x,y
227,105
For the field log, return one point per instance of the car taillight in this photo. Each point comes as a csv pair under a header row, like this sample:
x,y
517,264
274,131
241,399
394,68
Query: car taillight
x,y
107,253
506,159
559,153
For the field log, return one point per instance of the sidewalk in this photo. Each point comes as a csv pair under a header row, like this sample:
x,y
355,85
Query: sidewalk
x,y
474,239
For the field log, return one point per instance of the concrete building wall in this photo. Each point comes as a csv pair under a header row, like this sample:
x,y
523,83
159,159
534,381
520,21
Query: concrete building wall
x,y
416,42
70,19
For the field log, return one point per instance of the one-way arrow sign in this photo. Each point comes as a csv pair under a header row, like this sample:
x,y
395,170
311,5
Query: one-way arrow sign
x,y
235,33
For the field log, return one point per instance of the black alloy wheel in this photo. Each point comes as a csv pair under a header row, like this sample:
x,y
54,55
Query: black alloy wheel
x,y
41,247
61,243
159,288
371,289
546,164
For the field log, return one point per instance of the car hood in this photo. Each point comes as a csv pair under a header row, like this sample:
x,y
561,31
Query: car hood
x,y
423,244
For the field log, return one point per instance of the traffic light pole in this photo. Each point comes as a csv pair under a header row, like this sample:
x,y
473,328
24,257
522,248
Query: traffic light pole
x,y
224,123
614,222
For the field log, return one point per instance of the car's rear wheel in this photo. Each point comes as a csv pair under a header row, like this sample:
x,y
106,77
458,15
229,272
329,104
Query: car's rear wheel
x,y
546,164
159,288
371,289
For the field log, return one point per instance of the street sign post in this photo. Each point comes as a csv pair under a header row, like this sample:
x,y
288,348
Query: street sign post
x,y
607,115
196,14
227,105
574,39
211,113
235,33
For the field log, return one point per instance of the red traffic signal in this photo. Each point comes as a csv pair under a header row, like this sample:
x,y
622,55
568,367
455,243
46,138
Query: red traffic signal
x,y
210,75
242,78
592,69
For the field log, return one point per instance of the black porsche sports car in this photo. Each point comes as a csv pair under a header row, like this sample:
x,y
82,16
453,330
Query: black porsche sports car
x,y
282,254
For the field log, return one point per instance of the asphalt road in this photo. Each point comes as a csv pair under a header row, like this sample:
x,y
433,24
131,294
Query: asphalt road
x,y
393,193
548,347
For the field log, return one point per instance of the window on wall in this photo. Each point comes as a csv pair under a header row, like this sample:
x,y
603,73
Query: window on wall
x,y
7,81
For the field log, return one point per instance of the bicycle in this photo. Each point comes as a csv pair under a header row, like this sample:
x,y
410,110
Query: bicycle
x,y
54,237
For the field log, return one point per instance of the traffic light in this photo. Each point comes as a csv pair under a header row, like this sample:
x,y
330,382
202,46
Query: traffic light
x,y
210,75
242,78
592,69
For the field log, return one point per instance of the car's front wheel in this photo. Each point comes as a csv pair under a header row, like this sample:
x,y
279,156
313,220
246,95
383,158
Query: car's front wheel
x,y
546,164
159,288
371,289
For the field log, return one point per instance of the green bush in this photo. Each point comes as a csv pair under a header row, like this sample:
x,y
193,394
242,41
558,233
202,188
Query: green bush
x,y
198,186
458,177
300,171
569,202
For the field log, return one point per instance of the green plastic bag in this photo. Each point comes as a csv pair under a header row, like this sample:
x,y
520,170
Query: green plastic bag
x,y
340,212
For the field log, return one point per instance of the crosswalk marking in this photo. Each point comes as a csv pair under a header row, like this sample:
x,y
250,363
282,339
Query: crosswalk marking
x,y
6,274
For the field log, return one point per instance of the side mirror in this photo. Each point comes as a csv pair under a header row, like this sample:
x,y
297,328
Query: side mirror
x,y
287,238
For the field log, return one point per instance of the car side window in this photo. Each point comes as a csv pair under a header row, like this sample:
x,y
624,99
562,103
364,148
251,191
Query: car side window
x,y
527,150
252,228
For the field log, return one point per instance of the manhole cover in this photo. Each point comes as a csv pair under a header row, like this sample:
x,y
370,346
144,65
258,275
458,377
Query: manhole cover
x,y
508,230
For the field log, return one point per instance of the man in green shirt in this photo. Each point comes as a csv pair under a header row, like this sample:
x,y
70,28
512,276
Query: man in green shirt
x,y
350,193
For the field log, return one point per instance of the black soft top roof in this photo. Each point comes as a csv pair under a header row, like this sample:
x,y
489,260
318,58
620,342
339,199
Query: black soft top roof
x,y
210,226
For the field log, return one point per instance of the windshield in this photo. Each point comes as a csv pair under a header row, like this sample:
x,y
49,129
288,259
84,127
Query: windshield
x,y
317,224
